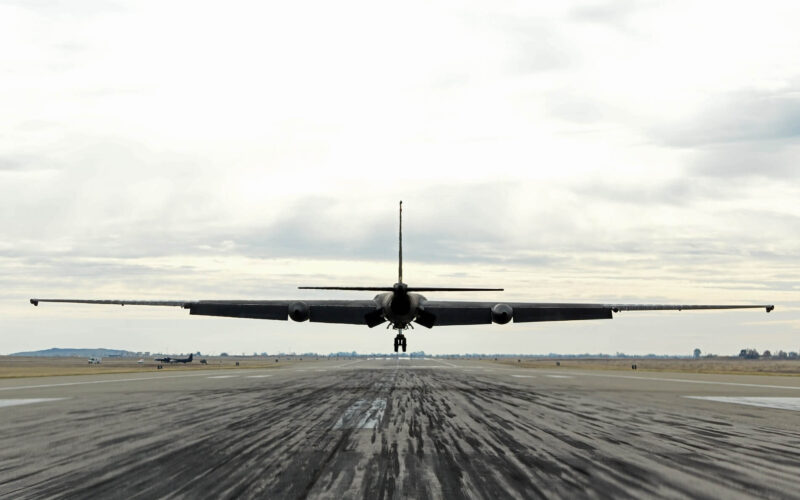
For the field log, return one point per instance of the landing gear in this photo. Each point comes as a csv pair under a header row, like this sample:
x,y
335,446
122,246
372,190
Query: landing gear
x,y
400,341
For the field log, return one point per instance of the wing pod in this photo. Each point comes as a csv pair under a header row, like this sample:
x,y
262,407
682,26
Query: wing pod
x,y
298,311
502,313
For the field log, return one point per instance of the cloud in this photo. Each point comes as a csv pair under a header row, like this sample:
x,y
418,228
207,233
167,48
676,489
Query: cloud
x,y
66,8
612,13
736,117
776,161
675,192
586,151
10,164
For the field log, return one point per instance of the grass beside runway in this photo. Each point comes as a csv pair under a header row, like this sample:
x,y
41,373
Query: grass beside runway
x,y
721,366
18,366
40,366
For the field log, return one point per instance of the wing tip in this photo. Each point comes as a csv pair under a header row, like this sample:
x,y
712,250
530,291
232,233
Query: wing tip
x,y
35,302
770,308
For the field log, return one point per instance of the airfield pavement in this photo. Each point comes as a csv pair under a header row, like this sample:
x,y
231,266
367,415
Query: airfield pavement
x,y
387,428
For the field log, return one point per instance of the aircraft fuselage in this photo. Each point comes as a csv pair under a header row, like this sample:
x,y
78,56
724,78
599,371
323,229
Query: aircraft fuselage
x,y
400,307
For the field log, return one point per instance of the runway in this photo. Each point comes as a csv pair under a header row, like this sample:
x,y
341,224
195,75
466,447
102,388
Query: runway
x,y
400,429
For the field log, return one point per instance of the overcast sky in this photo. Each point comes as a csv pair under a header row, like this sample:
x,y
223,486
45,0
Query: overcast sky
x,y
568,151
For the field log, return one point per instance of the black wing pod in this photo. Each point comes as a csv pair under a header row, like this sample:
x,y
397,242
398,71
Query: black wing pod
x,y
502,313
298,311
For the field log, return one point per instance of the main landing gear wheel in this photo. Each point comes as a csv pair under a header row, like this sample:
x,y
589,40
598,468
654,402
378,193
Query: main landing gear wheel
x,y
400,341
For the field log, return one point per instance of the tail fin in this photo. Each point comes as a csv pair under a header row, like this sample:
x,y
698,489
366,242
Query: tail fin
x,y
191,355
400,265
400,277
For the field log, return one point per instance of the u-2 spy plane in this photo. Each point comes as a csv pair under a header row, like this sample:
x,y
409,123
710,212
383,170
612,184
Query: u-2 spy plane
x,y
167,359
401,305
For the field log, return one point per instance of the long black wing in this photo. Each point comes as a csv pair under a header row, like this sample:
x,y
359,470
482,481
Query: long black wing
x,y
442,313
432,313
354,312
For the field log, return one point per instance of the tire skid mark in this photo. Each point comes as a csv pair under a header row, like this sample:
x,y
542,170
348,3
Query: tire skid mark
x,y
443,433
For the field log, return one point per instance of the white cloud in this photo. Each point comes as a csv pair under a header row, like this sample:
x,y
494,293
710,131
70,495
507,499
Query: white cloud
x,y
580,151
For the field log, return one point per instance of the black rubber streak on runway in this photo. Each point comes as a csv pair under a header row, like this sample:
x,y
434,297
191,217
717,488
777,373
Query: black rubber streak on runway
x,y
444,434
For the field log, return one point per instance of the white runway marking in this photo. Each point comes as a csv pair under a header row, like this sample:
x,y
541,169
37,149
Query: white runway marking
x,y
524,376
18,402
560,376
107,381
322,370
224,376
348,364
780,403
685,381
258,376
448,364
362,414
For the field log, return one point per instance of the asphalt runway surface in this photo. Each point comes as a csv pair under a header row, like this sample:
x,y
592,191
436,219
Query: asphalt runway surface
x,y
400,429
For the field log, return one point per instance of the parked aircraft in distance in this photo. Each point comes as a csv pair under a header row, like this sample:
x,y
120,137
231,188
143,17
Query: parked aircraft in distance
x,y
167,359
400,305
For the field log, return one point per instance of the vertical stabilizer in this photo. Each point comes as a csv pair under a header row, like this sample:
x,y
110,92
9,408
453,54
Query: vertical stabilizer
x,y
400,265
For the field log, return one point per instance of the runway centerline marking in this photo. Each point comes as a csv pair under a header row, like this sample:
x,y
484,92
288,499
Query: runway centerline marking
x,y
107,381
766,402
224,376
258,376
19,402
559,376
524,376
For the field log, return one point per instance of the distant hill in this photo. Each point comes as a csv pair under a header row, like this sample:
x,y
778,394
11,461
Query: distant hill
x,y
98,352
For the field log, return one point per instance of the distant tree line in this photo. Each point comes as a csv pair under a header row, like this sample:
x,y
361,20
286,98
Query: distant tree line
x,y
753,354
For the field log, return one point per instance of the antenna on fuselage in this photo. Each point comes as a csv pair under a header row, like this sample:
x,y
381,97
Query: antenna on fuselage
x,y
400,265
